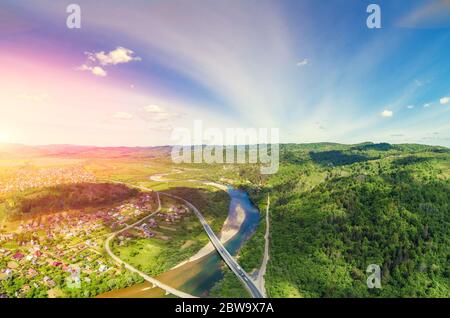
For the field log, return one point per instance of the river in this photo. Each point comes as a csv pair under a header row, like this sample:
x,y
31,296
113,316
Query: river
x,y
198,277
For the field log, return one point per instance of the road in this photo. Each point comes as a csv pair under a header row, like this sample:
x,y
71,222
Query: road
x,y
260,280
229,260
155,282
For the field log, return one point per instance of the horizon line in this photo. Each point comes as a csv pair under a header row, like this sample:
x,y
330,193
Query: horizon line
x,y
231,145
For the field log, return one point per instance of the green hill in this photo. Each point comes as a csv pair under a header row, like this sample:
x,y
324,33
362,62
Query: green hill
x,y
337,209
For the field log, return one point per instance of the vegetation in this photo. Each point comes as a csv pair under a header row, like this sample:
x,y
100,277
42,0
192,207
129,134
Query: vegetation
x,y
66,197
184,238
337,209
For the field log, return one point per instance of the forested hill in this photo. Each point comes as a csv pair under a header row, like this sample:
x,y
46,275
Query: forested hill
x,y
337,209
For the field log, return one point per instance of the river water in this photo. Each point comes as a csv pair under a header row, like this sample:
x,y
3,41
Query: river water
x,y
198,277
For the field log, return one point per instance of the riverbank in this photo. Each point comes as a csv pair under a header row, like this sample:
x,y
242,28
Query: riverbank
x,y
230,228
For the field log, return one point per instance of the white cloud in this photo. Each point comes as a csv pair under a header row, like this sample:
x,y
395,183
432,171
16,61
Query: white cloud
x,y
96,70
118,56
387,113
444,100
426,105
122,115
410,106
303,62
153,109
420,83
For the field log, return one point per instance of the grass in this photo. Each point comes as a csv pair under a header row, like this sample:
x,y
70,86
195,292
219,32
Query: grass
x,y
141,251
186,237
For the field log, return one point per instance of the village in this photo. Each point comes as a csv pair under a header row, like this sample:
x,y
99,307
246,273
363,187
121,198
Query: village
x,y
44,177
62,255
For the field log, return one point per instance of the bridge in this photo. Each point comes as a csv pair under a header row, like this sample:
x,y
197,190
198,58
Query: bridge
x,y
229,260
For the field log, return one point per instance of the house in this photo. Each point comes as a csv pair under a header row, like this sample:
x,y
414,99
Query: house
x,y
24,290
18,256
12,265
102,268
48,281
32,272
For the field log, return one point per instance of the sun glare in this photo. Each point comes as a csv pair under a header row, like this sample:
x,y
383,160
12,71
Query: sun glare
x,y
4,137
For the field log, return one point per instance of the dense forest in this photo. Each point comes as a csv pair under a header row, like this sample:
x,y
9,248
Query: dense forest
x,y
336,209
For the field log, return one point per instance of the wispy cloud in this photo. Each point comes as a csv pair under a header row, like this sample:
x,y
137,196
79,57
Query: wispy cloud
x,y
35,98
158,114
96,70
303,62
427,105
122,115
432,14
158,117
410,106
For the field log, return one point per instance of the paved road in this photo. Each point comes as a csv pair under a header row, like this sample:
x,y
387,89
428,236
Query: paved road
x,y
155,282
260,282
229,260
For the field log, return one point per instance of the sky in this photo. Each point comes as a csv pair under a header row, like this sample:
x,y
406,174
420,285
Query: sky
x,y
136,70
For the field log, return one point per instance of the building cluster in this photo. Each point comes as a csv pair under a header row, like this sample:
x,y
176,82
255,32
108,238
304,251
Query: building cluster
x,y
45,177
44,249
161,221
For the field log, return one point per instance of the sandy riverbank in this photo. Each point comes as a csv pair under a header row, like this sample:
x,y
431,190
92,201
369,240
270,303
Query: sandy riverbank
x,y
230,228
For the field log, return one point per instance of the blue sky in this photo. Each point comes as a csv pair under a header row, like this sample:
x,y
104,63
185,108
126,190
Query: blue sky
x,y
311,68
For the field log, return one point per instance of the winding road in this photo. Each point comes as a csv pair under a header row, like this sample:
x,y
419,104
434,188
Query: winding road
x,y
155,282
